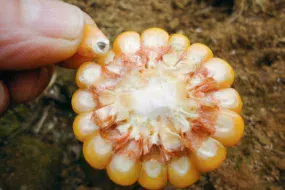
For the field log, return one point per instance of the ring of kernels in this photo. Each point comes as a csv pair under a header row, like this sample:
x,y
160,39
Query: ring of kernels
x,y
156,109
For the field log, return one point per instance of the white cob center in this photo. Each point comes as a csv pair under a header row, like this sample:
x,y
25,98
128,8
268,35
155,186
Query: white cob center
x,y
157,98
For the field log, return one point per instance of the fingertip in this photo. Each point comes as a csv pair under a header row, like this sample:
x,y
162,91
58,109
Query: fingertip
x,y
88,19
4,97
38,33
55,19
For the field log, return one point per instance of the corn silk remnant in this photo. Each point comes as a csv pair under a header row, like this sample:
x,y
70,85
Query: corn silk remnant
x,y
154,108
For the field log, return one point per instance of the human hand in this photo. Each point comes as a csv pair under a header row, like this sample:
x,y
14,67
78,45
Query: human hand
x,y
35,35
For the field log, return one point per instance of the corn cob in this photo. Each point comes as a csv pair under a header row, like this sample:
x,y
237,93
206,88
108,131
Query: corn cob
x,y
156,109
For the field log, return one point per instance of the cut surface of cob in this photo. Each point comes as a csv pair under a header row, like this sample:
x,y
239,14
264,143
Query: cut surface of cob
x,y
156,109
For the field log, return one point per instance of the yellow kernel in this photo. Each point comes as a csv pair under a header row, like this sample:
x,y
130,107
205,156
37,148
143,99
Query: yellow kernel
x,y
123,170
195,56
83,126
209,156
83,101
154,37
229,128
97,151
198,53
94,42
228,98
153,174
182,172
88,74
128,43
221,71
179,42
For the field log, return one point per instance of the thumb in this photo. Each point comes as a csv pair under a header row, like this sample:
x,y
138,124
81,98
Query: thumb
x,y
35,33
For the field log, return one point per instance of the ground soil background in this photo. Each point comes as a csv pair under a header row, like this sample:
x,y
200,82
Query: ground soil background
x,y
39,151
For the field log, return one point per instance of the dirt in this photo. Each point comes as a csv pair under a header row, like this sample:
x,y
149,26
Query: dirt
x,y
250,35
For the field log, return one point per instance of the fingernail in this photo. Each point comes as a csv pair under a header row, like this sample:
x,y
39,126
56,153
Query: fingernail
x,y
52,18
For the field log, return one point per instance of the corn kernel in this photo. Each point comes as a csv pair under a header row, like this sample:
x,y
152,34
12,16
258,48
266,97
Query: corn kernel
x,y
228,98
123,170
229,128
198,53
83,101
179,42
182,172
220,71
154,37
83,126
97,151
94,42
88,74
127,42
153,174
209,156
195,56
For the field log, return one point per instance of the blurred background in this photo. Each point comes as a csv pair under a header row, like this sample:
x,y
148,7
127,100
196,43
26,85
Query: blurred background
x,y
39,151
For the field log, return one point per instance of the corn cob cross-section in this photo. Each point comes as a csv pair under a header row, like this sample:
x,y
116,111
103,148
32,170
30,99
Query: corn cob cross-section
x,y
156,109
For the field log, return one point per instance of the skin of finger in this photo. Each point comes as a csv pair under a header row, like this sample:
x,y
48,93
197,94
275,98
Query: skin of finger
x,y
88,19
76,60
24,48
35,51
4,97
45,75
25,86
